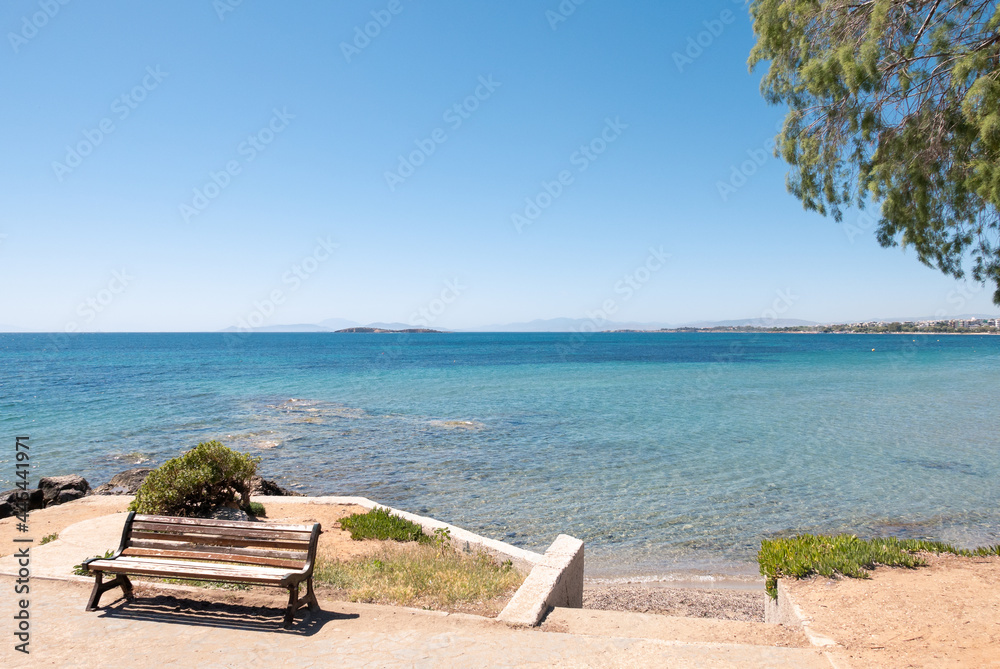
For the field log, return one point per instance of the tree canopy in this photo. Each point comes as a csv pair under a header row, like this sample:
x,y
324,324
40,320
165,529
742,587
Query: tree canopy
x,y
896,104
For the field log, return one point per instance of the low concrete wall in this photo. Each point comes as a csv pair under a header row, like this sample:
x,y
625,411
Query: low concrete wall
x,y
781,611
556,581
784,611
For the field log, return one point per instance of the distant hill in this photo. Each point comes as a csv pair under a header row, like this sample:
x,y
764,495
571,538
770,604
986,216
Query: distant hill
x,y
566,325
754,322
385,331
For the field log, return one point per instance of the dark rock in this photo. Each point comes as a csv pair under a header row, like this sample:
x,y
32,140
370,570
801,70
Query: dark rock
x,y
124,483
67,496
10,501
52,486
227,513
261,486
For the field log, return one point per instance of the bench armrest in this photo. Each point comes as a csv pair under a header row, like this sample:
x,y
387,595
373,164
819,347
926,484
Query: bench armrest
x,y
311,555
122,545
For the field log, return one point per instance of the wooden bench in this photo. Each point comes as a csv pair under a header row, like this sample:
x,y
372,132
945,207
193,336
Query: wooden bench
x,y
212,550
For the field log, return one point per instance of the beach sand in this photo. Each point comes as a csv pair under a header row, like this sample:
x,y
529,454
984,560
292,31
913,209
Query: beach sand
x,y
946,614
719,603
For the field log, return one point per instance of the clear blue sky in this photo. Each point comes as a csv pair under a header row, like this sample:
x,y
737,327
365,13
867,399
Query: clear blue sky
x,y
330,122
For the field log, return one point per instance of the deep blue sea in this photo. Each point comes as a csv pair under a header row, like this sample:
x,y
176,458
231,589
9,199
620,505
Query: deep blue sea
x,y
670,455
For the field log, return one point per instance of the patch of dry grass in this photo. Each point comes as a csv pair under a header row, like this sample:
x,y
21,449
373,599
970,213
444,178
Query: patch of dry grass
x,y
423,575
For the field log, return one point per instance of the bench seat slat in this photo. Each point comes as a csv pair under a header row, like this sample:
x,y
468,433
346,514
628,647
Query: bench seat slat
x,y
229,550
211,522
221,541
156,572
192,570
256,533
212,557
207,566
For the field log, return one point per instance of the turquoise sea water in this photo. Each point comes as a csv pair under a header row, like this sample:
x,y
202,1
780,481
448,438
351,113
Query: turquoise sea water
x,y
669,454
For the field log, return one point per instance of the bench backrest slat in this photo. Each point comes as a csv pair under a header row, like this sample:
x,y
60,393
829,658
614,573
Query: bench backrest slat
x,y
225,550
221,541
213,557
209,540
212,522
260,532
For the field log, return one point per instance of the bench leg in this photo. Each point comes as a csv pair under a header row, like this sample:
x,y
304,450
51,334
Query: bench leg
x,y
99,589
127,587
95,594
310,597
293,605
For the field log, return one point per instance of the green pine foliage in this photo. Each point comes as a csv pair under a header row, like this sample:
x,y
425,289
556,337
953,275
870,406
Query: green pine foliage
x,y
896,104
205,477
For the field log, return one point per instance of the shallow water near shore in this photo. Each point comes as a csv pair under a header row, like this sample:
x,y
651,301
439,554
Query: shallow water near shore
x,y
670,455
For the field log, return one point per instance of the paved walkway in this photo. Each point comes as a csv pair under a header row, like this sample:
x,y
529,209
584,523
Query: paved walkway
x,y
160,631
212,628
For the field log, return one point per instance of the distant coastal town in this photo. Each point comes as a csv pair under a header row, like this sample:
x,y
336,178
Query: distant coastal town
x,y
961,326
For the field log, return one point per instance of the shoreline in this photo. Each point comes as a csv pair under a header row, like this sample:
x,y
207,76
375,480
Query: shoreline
x,y
796,332
687,601
708,582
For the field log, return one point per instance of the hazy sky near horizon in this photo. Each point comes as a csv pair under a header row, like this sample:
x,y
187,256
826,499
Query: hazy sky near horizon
x,y
196,164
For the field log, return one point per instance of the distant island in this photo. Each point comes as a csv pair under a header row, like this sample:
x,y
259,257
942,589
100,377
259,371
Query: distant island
x,y
383,330
961,326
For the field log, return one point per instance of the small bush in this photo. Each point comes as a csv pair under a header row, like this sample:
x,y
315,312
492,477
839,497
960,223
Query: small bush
x,y
441,537
845,555
380,524
48,538
257,509
205,477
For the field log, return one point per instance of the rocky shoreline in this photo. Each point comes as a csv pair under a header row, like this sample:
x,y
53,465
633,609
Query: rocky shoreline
x,y
55,490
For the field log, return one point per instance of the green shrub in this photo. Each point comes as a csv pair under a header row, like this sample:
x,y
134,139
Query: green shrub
x,y
257,509
205,477
48,538
845,555
380,524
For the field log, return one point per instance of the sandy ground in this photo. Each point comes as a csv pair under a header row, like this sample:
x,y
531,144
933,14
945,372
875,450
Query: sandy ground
x,y
720,603
334,543
672,628
44,522
943,615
